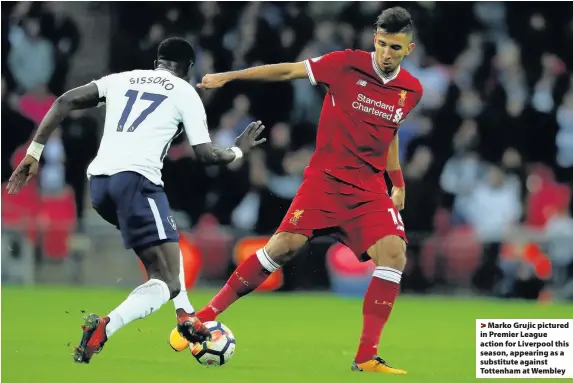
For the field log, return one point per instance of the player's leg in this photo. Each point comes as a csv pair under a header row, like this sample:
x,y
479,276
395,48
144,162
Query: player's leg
x,y
310,210
162,265
181,301
376,232
389,255
254,271
144,219
183,307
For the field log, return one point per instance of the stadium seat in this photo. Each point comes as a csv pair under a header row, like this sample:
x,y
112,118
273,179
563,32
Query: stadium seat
x,y
58,220
19,211
348,276
462,252
214,242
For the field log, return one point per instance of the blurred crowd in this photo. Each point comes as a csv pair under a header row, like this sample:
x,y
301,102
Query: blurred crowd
x,y
39,41
490,146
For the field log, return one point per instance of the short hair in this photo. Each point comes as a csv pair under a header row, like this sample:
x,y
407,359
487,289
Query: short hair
x,y
395,20
176,49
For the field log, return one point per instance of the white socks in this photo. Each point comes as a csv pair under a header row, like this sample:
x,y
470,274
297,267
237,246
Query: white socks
x,y
146,299
266,261
142,301
388,274
181,301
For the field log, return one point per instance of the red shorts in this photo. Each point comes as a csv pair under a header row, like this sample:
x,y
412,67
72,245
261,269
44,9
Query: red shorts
x,y
357,217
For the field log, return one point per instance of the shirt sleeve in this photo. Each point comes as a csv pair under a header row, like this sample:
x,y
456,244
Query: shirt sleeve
x,y
194,118
325,69
104,84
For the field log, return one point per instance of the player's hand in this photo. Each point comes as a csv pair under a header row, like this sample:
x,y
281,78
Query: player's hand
x,y
248,139
398,197
211,81
27,169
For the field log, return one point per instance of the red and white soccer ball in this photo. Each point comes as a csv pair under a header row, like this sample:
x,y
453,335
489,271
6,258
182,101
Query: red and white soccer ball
x,y
219,349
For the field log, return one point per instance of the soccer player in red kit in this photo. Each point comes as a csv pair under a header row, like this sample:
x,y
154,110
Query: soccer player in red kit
x,y
343,188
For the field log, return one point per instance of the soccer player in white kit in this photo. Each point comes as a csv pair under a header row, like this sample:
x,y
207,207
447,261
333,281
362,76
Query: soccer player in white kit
x,y
146,111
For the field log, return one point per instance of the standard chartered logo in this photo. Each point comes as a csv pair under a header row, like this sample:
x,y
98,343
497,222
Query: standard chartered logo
x,y
377,108
398,116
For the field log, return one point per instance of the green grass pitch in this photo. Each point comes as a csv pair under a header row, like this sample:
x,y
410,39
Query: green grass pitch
x,y
280,338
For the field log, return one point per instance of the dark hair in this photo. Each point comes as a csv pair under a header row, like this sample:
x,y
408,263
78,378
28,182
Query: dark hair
x,y
177,50
395,20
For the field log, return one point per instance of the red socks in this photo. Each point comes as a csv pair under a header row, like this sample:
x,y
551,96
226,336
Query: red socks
x,y
378,303
246,278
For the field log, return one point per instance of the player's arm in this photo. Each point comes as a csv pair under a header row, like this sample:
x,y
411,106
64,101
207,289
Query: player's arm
x,y
325,70
395,173
86,96
272,72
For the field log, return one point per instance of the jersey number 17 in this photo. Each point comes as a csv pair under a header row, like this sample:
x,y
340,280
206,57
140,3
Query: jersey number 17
x,y
156,100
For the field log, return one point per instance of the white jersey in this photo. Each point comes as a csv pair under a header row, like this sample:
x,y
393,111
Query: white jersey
x,y
146,111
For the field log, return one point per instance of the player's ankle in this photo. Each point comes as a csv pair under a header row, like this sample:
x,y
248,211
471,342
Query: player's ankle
x,y
206,314
182,313
363,358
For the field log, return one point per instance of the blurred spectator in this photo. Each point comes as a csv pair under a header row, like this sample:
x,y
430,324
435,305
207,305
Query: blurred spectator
x,y
463,170
16,130
278,174
148,46
494,206
493,209
418,215
80,137
63,32
53,175
415,131
564,137
512,164
241,113
307,100
31,59
559,237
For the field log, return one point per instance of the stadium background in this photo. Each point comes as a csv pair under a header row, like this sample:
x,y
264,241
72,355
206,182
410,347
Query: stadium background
x,y
487,155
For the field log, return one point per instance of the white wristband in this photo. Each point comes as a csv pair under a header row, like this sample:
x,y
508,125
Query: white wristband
x,y
35,150
238,153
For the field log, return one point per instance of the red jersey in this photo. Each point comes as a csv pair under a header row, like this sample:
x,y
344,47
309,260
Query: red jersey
x,y
361,114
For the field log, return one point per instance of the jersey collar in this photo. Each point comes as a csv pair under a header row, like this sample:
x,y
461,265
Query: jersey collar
x,y
385,79
166,70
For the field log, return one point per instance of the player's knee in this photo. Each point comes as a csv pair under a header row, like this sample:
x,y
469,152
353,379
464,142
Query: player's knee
x,y
389,251
172,282
282,246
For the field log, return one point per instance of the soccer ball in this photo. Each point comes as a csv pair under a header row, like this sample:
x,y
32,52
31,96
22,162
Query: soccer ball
x,y
219,349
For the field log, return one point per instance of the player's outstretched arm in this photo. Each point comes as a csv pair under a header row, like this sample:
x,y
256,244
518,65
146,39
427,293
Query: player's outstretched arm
x,y
210,154
272,72
86,96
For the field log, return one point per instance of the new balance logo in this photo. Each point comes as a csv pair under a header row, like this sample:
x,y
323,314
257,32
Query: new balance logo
x,y
361,82
214,309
